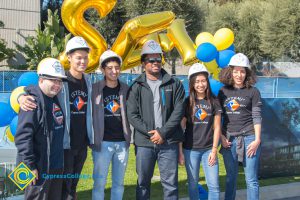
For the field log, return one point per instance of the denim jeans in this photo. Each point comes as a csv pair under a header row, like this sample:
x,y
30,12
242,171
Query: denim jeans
x,y
193,158
117,154
250,169
167,160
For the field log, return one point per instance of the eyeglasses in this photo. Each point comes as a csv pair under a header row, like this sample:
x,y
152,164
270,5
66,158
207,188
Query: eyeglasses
x,y
54,80
153,60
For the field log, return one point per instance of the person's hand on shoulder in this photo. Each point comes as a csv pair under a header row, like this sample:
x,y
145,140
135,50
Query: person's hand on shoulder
x,y
27,102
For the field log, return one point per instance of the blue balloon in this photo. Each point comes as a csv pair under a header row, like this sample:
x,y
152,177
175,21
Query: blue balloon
x,y
28,78
232,48
13,125
203,194
206,52
215,86
6,114
5,98
224,57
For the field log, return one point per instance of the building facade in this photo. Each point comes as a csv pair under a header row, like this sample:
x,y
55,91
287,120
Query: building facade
x,y
20,18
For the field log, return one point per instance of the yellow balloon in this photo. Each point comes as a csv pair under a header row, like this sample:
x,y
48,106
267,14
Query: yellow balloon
x,y
8,134
72,16
223,38
204,37
165,43
215,74
137,28
14,98
211,66
182,41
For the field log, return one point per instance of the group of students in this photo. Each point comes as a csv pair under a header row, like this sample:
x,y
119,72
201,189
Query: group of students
x,y
66,113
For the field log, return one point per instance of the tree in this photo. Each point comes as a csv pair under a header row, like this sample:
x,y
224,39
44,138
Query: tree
x,y
243,18
280,29
248,39
189,10
49,42
110,26
5,53
52,5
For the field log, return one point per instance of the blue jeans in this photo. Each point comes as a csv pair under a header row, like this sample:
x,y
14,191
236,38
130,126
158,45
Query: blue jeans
x,y
117,154
167,160
250,169
193,159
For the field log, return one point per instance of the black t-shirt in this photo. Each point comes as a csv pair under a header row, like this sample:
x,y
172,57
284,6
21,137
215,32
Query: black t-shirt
x,y
199,133
113,129
237,107
78,96
55,121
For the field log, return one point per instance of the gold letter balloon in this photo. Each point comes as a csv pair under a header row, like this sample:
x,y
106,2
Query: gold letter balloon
x,y
72,16
132,36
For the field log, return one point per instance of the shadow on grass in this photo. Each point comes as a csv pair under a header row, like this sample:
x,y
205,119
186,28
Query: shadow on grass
x,y
129,193
156,190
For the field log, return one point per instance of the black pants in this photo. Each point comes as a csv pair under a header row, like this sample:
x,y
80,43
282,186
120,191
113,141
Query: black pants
x,y
50,189
73,163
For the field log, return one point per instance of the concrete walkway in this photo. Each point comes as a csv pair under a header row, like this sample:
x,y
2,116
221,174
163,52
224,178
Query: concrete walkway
x,y
289,191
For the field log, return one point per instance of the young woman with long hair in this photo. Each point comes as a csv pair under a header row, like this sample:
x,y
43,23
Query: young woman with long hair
x,y
202,123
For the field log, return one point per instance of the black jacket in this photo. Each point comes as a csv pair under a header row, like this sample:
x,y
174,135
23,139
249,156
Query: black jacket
x,y
33,137
140,111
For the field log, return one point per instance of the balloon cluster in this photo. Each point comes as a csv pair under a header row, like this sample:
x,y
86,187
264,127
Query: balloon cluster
x,y
9,109
215,51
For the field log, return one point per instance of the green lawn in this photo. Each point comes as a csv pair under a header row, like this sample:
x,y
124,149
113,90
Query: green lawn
x,y
85,185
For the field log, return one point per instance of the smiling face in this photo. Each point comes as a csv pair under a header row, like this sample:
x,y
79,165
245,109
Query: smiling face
x,y
239,76
152,64
111,71
200,85
78,60
50,87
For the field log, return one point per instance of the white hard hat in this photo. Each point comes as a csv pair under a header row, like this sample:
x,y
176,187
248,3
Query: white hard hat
x,y
239,60
109,54
51,68
151,47
197,68
76,42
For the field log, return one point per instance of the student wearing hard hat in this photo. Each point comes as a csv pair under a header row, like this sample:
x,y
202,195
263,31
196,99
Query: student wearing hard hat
x,y
40,133
75,98
202,125
241,103
111,128
155,109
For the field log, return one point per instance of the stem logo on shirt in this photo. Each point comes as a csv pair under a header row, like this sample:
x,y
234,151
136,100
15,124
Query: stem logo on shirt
x,y
78,103
57,114
201,114
233,105
112,106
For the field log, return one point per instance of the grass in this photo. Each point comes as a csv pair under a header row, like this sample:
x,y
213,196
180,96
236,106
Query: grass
x,y
85,186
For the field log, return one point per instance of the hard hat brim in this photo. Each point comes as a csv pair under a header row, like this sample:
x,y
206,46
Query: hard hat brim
x,y
79,48
63,78
196,73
